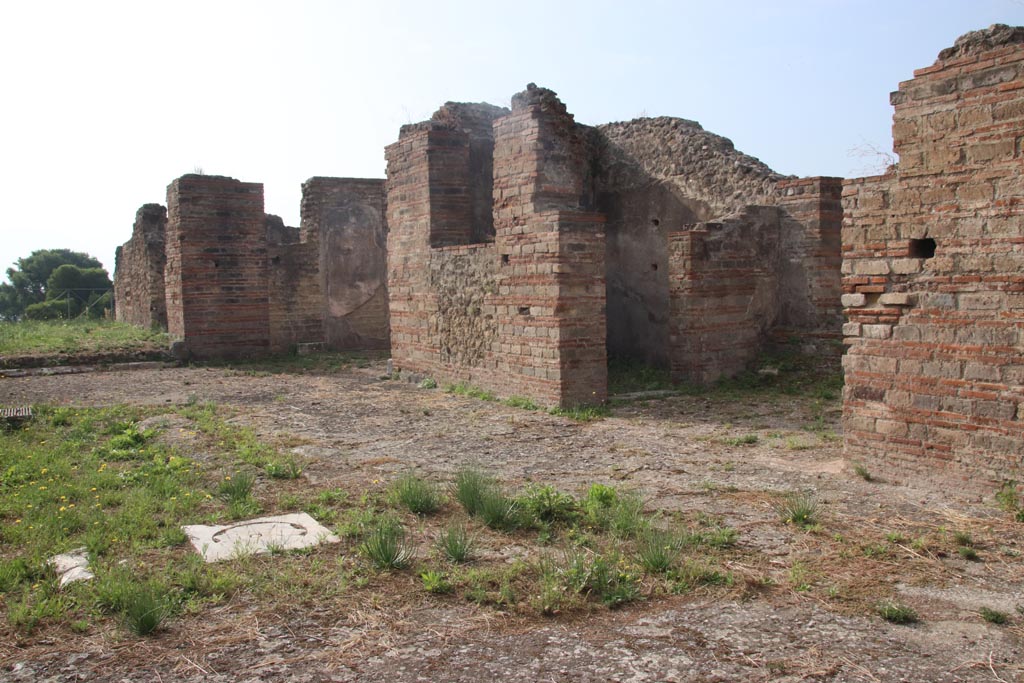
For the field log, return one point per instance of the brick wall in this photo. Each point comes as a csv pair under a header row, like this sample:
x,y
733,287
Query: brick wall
x,y
933,275
216,270
723,288
526,314
139,271
295,300
343,221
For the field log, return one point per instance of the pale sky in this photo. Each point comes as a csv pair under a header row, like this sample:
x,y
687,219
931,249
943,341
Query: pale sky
x,y
105,103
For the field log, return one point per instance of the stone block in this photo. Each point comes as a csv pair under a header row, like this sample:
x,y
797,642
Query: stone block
x,y
876,331
851,329
897,299
853,300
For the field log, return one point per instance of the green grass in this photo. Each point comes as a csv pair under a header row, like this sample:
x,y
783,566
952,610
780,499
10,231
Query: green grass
x,y
75,336
658,550
993,616
463,389
896,612
627,375
798,509
456,543
417,495
582,413
471,485
386,546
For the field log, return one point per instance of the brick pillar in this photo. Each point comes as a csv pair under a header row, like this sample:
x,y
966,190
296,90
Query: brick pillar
x,y
216,272
551,278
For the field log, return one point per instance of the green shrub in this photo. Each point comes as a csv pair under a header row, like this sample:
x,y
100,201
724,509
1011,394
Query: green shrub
x,y
548,505
435,582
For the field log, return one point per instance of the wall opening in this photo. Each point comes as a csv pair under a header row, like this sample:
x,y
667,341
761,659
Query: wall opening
x,y
921,248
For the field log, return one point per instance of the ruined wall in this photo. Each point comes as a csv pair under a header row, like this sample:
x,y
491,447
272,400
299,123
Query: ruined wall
x,y
216,270
810,284
933,275
724,288
343,222
139,271
521,316
295,300
659,176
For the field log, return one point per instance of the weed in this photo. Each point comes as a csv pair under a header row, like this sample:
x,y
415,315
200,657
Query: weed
x,y
895,537
386,546
471,485
521,402
745,440
419,496
548,505
283,469
658,550
896,612
500,512
435,582
456,543
145,609
968,553
695,574
799,509
606,577
1007,497
963,538
428,383
463,389
582,413
236,488
861,471
994,616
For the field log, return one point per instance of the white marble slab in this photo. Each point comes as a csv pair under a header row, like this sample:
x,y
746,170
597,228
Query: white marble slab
x,y
260,535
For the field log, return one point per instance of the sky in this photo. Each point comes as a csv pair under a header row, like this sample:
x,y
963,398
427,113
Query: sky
x,y
103,104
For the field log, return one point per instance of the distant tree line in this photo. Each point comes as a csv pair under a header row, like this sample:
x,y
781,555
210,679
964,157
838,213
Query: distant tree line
x,y
50,284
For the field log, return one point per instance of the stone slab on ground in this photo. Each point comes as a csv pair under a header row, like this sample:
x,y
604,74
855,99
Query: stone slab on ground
x,y
260,535
72,566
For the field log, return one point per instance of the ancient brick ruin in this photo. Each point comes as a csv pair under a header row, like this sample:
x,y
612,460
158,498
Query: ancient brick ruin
x,y
227,280
523,250
933,274
651,240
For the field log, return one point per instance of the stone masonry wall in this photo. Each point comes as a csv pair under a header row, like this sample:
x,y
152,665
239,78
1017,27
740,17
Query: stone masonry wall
x,y
933,275
343,221
139,271
216,271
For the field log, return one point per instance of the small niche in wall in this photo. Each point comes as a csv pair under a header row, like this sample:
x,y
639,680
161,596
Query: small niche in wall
x,y
524,310
654,266
921,248
655,222
276,260
504,259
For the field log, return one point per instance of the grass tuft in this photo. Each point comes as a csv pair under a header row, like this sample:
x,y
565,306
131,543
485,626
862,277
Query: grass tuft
x,y
799,509
658,550
456,544
386,546
993,616
418,495
470,487
896,612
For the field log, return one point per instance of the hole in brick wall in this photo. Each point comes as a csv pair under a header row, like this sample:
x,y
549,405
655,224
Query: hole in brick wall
x,y
504,259
275,260
216,264
654,266
922,248
524,310
655,222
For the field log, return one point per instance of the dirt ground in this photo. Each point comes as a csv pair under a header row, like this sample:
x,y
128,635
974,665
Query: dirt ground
x,y
686,453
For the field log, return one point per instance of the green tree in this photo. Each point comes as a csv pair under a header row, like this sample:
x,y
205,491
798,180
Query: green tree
x,y
29,279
